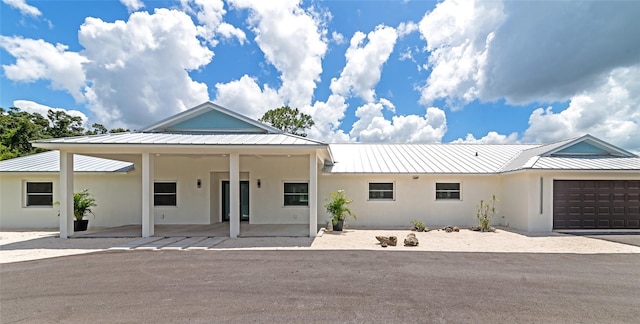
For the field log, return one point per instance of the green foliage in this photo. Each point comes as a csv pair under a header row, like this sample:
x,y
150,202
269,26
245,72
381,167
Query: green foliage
x,y
288,119
18,128
337,206
485,211
417,225
82,203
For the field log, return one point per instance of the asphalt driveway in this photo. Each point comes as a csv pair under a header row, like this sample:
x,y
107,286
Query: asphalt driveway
x,y
322,286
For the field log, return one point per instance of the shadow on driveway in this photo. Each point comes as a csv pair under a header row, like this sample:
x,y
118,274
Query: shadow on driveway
x,y
629,238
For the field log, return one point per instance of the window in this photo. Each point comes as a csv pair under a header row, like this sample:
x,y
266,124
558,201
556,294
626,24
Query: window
x,y
380,190
296,194
39,194
165,194
448,190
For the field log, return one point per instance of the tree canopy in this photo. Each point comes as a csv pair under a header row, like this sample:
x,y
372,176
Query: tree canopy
x,y
18,128
288,119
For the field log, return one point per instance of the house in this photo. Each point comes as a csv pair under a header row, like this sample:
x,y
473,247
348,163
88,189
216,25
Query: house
x,y
209,165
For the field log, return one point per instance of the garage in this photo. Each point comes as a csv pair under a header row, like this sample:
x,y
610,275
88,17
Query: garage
x,y
596,204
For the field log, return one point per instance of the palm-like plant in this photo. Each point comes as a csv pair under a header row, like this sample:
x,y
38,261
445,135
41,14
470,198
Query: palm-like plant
x,y
82,203
337,206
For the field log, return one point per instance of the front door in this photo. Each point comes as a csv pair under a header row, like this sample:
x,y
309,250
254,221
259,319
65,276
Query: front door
x,y
244,201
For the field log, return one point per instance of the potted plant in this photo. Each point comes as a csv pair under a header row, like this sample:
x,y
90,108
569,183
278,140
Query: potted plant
x,y
337,207
82,203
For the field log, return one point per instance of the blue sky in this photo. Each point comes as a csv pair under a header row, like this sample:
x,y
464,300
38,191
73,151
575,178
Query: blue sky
x,y
370,71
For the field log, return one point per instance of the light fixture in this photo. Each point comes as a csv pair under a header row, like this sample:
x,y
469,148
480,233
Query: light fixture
x,y
199,183
259,183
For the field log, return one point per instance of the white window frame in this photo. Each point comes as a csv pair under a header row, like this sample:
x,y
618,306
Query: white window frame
x,y
27,194
165,194
448,199
284,193
393,191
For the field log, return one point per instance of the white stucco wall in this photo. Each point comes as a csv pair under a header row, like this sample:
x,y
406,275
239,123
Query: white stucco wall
x,y
414,199
116,195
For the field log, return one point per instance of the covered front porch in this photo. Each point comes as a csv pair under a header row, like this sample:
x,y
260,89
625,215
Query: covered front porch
x,y
213,230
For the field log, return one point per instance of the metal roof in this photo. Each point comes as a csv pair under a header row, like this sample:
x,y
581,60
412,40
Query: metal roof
x,y
527,157
186,139
50,162
422,158
587,163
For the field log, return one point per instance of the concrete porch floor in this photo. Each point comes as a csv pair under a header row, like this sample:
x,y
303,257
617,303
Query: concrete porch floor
x,y
213,230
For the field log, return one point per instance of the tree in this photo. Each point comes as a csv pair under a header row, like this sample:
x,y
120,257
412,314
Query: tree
x,y
18,128
64,125
289,120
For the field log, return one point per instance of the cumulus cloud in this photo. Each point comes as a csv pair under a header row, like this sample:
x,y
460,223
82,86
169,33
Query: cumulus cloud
x,y
327,117
247,97
364,63
138,68
23,7
492,137
373,127
132,5
610,112
210,14
34,107
293,41
37,59
477,49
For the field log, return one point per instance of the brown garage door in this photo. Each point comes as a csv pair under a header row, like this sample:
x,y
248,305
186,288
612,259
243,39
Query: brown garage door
x,y
598,204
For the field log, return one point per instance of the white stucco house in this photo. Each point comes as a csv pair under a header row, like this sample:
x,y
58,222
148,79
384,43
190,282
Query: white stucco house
x,y
209,165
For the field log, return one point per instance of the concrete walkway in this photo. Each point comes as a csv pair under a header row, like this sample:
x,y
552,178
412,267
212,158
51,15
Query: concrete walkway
x,y
30,245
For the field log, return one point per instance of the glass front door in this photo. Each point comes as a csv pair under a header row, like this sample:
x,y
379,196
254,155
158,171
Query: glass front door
x,y
244,201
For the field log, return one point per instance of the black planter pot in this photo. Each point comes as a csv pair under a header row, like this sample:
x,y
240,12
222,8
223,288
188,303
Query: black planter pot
x,y
80,225
338,226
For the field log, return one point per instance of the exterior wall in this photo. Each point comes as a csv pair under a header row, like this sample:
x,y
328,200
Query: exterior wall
x,y
204,206
116,205
528,206
414,199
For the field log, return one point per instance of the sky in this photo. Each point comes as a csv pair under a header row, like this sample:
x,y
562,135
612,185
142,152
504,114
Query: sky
x,y
368,71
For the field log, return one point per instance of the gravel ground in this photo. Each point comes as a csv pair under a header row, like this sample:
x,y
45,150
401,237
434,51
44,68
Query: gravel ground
x,y
18,246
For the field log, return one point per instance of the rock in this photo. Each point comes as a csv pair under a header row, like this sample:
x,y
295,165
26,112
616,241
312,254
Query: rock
x,y
411,240
383,244
456,229
389,240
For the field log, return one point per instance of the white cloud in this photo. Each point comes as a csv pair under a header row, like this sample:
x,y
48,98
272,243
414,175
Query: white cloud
x,y
373,127
137,70
406,28
210,14
132,5
458,35
477,49
327,117
246,97
23,7
291,39
492,137
609,112
37,59
34,107
337,37
364,63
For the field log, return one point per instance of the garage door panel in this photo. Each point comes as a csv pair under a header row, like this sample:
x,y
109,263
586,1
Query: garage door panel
x,y
596,204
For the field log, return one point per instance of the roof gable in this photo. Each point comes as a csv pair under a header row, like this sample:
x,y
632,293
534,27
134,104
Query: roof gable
x,y
210,118
587,145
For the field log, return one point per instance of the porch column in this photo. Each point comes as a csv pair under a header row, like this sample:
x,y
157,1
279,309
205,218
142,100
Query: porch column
x,y
147,195
66,194
234,195
313,194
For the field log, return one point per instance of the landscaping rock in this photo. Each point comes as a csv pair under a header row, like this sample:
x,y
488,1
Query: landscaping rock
x,y
388,240
411,240
456,229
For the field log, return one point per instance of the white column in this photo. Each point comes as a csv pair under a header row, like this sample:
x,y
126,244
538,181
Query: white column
x,y
313,194
66,194
234,195
147,195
